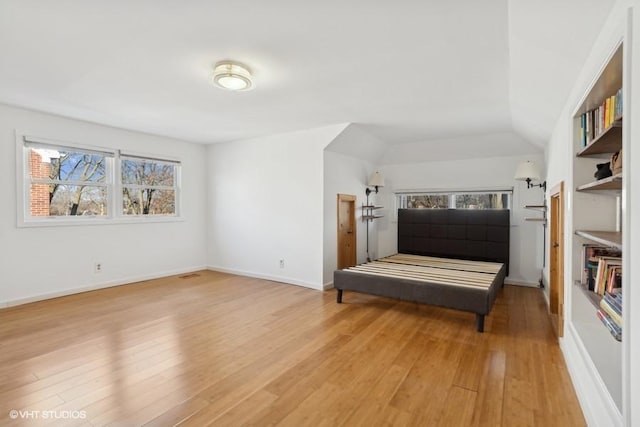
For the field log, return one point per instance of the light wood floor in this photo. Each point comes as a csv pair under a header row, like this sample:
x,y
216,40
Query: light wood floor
x,y
217,349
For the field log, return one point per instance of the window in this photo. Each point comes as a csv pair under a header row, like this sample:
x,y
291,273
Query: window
x,y
67,181
482,200
75,184
476,199
148,186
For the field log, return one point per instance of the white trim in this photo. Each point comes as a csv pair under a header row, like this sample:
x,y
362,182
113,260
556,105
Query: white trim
x,y
461,190
327,286
141,156
102,285
95,220
597,405
30,140
281,279
517,282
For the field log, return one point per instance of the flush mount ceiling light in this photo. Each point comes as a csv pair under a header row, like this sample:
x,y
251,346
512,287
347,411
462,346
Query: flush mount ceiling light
x,y
231,75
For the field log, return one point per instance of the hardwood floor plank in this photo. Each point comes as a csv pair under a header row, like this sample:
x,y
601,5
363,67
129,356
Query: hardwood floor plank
x,y
488,410
178,413
218,349
461,404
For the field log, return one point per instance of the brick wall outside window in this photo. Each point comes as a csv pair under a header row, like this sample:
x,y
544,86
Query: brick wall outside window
x,y
39,193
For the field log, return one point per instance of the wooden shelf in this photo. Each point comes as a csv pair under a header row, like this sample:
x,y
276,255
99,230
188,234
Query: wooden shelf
x,y
611,183
591,296
536,219
609,141
371,207
609,81
607,238
366,217
540,207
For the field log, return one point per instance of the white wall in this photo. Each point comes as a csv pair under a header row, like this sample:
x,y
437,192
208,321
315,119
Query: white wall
x,y
266,204
345,175
43,262
526,236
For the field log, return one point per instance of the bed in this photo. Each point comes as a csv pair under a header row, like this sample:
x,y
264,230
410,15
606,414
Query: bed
x,y
450,258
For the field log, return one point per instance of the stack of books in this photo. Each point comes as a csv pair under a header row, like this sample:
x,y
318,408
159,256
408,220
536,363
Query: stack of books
x,y
596,121
610,313
608,275
602,268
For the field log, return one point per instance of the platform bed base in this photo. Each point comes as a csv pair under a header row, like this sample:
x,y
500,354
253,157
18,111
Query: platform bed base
x,y
464,285
479,317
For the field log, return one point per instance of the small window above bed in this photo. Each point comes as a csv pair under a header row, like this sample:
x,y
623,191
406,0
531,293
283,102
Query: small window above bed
x,y
459,199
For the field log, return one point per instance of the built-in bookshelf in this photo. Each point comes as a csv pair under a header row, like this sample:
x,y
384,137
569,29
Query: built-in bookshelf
x,y
598,133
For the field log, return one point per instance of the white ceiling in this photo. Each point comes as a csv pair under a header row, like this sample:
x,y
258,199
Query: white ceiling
x,y
407,72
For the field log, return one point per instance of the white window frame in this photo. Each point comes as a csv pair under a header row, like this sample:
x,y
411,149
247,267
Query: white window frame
x,y
176,184
113,184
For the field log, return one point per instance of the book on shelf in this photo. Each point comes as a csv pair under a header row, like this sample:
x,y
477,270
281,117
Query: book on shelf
x,y
613,315
596,121
605,265
614,301
614,329
590,255
614,280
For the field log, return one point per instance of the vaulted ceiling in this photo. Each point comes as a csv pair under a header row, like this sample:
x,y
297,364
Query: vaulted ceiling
x,y
407,72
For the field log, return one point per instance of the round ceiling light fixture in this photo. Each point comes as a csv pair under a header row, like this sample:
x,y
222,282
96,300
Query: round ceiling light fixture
x,y
232,75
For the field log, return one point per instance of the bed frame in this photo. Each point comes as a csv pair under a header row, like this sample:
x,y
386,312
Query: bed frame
x,y
476,235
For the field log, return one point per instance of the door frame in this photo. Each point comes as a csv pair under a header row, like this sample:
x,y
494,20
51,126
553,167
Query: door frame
x,y
352,199
556,258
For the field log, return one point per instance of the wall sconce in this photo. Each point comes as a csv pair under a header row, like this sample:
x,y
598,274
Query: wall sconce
x,y
528,171
376,180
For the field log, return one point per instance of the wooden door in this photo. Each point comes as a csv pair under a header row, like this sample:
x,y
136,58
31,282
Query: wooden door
x,y
346,231
556,255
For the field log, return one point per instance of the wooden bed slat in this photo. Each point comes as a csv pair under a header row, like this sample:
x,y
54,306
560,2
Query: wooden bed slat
x,y
432,270
426,276
422,278
444,271
479,266
395,275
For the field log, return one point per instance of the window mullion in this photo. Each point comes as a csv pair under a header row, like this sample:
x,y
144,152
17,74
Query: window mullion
x,y
116,181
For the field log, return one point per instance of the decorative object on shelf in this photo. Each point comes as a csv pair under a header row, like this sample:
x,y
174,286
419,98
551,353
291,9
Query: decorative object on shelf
x,y
232,75
604,171
528,171
616,163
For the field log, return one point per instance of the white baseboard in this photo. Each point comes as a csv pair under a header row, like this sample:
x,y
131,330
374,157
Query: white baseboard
x,y
108,284
597,405
327,286
281,279
518,282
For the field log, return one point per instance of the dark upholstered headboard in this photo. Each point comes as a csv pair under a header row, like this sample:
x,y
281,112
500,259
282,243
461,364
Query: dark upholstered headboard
x,y
481,235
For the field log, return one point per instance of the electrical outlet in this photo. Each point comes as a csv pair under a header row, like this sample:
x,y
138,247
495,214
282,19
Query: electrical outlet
x,y
97,267
281,263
